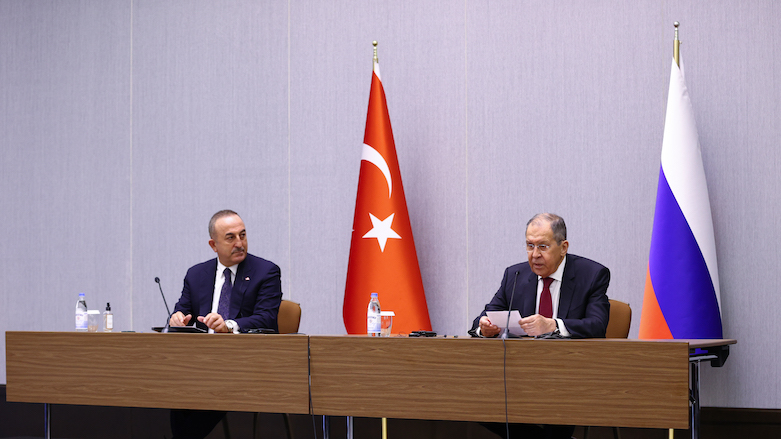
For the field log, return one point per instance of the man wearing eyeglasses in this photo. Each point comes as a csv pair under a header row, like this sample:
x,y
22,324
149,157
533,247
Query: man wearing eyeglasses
x,y
553,290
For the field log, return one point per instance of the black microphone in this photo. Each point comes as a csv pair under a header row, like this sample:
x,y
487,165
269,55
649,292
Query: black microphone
x,y
168,320
506,332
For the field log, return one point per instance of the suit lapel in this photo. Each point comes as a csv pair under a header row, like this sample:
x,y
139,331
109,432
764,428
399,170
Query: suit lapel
x,y
567,289
529,295
240,284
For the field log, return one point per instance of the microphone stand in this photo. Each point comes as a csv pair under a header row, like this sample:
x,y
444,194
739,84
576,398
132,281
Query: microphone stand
x,y
168,320
506,331
504,336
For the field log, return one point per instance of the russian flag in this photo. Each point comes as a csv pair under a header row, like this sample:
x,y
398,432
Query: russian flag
x,y
682,298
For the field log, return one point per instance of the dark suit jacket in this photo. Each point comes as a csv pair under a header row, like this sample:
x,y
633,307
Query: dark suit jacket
x,y
255,297
583,303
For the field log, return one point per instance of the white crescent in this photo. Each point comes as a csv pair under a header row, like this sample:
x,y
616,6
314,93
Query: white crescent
x,y
372,156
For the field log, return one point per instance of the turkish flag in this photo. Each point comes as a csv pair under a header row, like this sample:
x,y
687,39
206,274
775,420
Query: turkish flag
x,y
382,253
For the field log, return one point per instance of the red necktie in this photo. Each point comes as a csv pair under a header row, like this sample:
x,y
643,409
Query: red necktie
x,y
546,303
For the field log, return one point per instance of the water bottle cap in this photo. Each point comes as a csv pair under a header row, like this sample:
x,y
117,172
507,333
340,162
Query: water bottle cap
x,y
374,294
81,294
108,306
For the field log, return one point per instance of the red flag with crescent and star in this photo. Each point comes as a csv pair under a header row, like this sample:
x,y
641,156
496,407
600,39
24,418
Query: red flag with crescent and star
x,y
382,252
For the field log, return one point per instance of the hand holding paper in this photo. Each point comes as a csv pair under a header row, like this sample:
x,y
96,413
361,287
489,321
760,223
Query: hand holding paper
x,y
499,318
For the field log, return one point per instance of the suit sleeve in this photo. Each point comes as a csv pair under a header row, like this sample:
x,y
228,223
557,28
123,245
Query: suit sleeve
x,y
590,319
267,297
185,300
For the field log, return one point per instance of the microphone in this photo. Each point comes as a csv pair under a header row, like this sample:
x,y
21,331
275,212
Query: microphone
x,y
168,320
506,331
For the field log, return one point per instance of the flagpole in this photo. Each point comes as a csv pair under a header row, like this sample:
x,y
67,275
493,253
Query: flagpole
x,y
376,61
677,57
676,46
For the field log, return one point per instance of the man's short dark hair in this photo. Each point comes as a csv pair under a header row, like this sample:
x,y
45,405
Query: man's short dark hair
x,y
218,215
556,224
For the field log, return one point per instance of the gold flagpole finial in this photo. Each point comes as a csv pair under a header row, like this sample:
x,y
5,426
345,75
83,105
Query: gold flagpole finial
x,y
677,46
374,43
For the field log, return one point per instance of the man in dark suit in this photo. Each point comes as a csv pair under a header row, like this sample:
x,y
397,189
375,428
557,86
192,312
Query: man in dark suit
x,y
553,291
232,293
577,303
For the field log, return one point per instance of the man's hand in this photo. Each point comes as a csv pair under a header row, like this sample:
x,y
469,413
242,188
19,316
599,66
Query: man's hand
x,y
537,324
214,321
488,329
179,319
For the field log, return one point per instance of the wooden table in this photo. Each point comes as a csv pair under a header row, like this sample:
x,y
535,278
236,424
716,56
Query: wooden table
x,y
624,383
190,371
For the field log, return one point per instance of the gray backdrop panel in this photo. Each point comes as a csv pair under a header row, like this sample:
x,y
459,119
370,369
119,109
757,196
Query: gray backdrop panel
x,y
65,167
209,133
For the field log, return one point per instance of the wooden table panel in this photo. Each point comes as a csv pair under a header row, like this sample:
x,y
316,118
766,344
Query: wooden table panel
x,y
400,377
600,382
193,371
581,382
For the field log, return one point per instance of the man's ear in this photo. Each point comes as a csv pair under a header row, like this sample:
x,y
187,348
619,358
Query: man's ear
x,y
564,247
213,245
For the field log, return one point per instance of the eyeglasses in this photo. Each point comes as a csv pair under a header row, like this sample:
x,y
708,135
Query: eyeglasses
x,y
543,248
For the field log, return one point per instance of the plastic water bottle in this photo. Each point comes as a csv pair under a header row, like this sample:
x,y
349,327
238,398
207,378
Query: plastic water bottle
x,y
81,314
373,317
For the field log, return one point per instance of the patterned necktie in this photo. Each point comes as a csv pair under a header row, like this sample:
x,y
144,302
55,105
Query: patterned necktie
x,y
223,308
546,303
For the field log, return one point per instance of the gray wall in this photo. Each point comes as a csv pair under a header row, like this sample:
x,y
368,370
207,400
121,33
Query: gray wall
x,y
125,124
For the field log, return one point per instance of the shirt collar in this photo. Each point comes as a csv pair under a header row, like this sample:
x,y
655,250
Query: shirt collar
x,y
221,268
558,275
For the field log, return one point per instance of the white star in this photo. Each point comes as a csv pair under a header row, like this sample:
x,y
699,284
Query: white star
x,y
382,230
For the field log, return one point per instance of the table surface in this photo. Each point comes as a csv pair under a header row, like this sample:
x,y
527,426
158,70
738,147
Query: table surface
x,y
611,382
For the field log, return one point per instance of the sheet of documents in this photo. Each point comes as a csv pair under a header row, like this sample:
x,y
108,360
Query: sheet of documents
x,y
499,318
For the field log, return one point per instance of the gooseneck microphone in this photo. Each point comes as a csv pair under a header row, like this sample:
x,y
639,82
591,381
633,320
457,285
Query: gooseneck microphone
x,y
168,320
506,331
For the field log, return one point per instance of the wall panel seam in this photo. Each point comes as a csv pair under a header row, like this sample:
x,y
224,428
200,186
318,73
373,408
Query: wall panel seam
x,y
289,175
130,134
466,159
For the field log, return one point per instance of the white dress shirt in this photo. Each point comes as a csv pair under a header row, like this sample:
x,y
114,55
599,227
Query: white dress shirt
x,y
555,289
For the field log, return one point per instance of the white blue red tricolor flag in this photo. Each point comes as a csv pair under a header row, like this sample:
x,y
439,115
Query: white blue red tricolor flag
x,y
682,284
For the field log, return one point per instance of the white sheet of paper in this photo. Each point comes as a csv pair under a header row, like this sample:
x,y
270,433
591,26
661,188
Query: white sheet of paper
x,y
499,318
